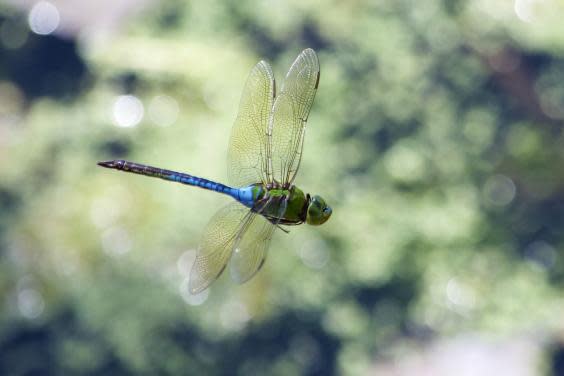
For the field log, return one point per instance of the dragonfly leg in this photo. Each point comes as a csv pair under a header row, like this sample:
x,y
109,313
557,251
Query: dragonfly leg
x,y
283,229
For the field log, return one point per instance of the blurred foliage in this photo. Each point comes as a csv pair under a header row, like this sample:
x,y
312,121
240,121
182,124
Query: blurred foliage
x,y
436,136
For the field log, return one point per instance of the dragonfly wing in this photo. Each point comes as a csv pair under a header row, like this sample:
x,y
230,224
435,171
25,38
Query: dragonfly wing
x,y
221,235
250,253
247,156
289,116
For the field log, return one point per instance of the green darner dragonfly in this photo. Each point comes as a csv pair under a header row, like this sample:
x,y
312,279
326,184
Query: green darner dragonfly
x,y
264,156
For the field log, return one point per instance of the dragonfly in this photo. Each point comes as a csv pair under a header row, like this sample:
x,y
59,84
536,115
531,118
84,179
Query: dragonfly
x,y
263,158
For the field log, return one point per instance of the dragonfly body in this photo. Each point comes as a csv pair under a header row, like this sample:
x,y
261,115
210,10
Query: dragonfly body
x,y
264,155
262,199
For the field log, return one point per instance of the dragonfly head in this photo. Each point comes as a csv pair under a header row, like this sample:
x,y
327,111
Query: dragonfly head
x,y
318,212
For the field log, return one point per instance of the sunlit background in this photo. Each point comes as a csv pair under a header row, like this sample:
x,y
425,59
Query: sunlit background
x,y
436,136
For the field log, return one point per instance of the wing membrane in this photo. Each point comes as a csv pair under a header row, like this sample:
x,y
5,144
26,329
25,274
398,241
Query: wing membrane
x,y
289,116
247,155
250,253
220,237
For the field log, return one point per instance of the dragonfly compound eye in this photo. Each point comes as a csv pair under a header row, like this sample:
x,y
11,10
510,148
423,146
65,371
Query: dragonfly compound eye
x,y
318,212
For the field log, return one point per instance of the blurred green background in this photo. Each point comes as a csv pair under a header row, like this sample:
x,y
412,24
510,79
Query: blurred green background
x,y
436,136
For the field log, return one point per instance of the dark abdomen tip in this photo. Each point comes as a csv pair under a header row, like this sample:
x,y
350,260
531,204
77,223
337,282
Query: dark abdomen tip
x,y
118,165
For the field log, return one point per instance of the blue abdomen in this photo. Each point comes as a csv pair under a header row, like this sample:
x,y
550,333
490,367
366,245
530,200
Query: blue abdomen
x,y
246,195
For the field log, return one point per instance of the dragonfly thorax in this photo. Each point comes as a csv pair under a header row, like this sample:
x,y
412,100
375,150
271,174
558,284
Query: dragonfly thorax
x,y
289,206
286,206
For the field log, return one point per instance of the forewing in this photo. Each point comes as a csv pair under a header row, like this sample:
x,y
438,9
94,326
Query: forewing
x,y
289,116
220,237
247,154
250,253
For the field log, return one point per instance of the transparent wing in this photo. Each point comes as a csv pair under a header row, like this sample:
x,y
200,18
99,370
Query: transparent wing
x,y
250,253
289,116
247,154
220,237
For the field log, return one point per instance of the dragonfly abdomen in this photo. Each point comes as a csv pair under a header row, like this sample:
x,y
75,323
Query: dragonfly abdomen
x,y
169,175
197,182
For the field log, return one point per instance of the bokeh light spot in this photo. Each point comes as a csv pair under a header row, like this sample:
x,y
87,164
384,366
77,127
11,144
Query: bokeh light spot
x,y
127,111
542,254
527,10
234,315
404,163
163,110
552,102
185,262
523,141
192,299
116,241
104,212
479,127
43,18
305,350
549,89
314,254
30,303
499,190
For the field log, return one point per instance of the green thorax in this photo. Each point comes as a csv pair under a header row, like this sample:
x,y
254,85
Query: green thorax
x,y
272,201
